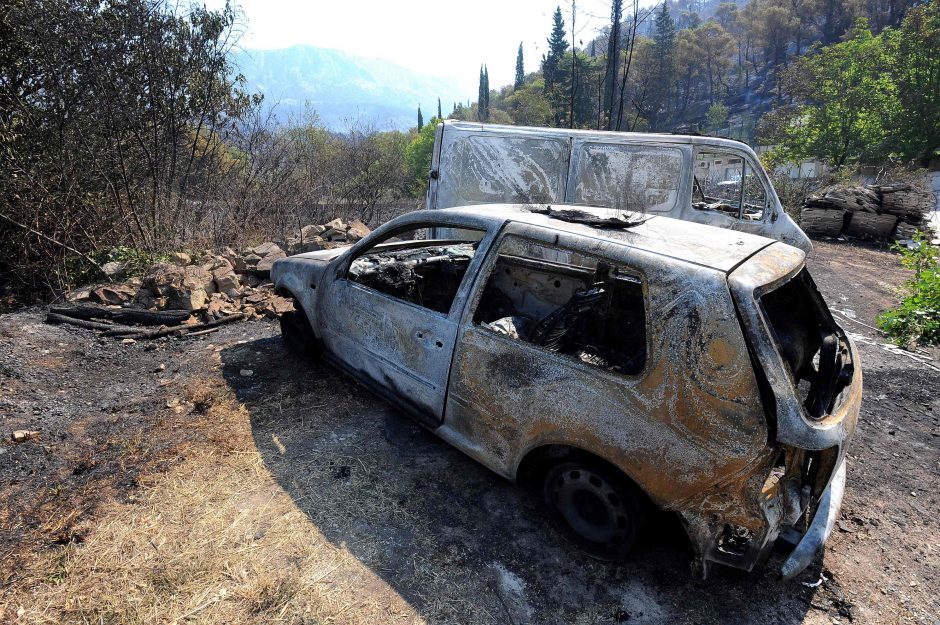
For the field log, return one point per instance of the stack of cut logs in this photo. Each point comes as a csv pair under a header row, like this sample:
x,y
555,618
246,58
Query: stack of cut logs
x,y
877,212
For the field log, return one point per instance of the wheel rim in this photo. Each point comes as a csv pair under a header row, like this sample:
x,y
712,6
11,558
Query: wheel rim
x,y
590,506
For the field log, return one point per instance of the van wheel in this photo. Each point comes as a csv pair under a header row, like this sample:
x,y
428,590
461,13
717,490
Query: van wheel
x,y
297,333
594,507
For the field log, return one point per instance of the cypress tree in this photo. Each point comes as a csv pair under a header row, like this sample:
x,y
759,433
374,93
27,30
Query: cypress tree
x,y
486,92
481,98
439,116
520,69
420,119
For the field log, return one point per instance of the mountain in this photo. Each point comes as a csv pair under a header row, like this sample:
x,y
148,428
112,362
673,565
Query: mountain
x,y
343,87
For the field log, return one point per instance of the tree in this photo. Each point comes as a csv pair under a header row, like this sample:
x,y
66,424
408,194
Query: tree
x,y
486,94
664,41
520,69
850,101
914,52
557,46
481,97
715,46
420,119
439,115
716,118
613,56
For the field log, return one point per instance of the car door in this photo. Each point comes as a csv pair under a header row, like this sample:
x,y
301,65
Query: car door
x,y
390,317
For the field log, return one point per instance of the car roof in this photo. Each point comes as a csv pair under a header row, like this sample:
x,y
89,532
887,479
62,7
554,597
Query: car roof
x,y
721,249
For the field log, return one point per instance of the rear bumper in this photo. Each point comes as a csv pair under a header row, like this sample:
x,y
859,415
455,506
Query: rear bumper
x,y
827,510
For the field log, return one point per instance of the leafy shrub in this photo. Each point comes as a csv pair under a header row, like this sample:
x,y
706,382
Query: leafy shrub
x,y
917,318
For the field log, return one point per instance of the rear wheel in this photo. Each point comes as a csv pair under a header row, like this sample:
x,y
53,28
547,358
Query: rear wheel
x,y
594,507
297,333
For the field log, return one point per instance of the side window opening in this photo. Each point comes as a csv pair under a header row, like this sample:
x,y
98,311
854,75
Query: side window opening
x,y
567,303
410,267
727,184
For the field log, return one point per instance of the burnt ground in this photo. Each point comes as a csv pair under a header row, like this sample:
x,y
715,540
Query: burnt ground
x,y
222,479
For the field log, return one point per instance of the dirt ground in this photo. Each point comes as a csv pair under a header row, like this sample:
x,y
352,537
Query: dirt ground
x,y
220,479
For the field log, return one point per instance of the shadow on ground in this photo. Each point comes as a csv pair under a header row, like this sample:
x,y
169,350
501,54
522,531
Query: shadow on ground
x,y
459,543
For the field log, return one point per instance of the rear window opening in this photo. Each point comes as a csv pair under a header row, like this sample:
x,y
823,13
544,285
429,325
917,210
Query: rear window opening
x,y
567,303
813,347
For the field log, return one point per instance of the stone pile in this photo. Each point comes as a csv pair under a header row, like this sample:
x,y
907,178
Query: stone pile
x,y
877,212
215,285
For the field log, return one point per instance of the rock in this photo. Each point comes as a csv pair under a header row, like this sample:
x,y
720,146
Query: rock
x,y
21,436
250,279
194,275
225,279
357,230
162,278
337,224
183,288
313,245
113,295
264,265
246,373
128,341
266,248
308,232
251,261
79,295
180,258
114,269
146,298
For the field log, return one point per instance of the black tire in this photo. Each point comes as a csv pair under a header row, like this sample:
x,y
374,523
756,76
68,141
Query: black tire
x,y
593,506
297,333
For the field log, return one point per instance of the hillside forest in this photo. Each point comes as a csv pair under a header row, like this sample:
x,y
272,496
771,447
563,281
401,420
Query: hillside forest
x,y
126,130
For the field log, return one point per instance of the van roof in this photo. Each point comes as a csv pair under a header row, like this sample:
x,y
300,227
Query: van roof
x,y
709,246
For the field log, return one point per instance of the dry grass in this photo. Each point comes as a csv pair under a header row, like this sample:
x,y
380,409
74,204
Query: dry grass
x,y
215,540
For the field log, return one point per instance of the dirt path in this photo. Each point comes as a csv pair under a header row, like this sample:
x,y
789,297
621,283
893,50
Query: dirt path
x,y
221,479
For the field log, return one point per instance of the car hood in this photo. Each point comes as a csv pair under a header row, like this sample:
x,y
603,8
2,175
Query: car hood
x,y
324,255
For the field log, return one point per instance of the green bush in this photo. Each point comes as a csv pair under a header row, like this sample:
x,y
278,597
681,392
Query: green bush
x,y
917,318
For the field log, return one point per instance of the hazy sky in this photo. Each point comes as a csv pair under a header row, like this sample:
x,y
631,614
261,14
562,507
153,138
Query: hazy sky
x,y
438,38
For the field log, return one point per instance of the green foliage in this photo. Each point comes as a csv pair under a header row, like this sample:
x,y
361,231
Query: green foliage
x,y
417,157
868,98
557,46
917,318
520,69
852,100
914,52
420,119
717,117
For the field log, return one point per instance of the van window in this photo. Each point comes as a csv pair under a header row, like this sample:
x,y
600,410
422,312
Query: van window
x,y
566,302
411,268
499,169
627,177
717,186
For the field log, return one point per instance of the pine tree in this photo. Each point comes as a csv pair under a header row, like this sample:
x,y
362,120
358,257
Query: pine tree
x,y
439,116
557,46
520,69
420,119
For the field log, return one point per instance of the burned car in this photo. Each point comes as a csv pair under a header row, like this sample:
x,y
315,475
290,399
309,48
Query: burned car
x,y
623,360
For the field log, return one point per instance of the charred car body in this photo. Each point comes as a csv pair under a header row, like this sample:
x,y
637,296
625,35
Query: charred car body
x,y
623,359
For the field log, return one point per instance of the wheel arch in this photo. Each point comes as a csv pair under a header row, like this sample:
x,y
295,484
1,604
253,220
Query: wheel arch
x,y
536,461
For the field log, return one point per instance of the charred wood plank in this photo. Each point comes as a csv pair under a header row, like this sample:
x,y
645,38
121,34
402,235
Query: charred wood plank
x,y
123,315
84,323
